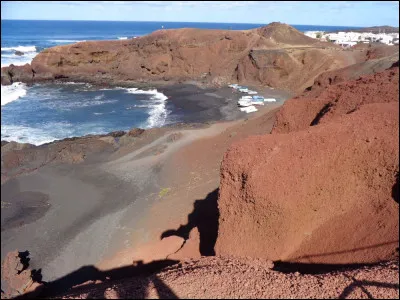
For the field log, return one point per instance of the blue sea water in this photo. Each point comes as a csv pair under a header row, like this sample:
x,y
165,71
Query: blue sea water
x,y
43,113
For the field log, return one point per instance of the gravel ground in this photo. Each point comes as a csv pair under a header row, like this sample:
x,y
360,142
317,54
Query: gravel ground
x,y
221,277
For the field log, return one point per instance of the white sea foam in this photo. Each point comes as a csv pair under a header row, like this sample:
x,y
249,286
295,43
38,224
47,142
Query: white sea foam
x,y
67,41
72,83
83,87
20,48
12,92
154,105
36,136
158,115
48,132
156,94
140,106
112,89
17,60
123,38
24,134
158,112
68,105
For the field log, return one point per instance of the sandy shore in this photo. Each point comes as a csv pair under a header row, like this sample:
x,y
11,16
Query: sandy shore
x,y
68,216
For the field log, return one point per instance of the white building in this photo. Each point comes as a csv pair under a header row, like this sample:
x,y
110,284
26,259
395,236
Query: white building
x,y
349,39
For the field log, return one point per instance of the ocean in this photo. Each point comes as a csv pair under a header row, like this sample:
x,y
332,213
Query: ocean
x,y
47,112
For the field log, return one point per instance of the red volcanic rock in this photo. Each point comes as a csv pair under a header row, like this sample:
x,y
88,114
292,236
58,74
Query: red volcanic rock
x,y
321,195
135,132
234,278
213,56
338,99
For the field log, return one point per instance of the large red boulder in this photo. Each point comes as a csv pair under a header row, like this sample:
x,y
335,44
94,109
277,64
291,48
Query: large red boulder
x,y
320,195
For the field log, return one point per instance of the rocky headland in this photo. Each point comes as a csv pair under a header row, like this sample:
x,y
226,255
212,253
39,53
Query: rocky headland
x,y
276,55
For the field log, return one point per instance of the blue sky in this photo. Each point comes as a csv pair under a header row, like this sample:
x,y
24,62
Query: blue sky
x,y
341,13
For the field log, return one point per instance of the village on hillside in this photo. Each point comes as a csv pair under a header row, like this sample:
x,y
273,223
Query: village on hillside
x,y
349,39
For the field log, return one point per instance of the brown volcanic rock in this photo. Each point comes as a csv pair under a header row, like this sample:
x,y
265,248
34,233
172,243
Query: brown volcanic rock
x,y
19,158
289,69
350,73
375,50
379,51
322,105
17,73
135,132
285,34
214,56
377,58
322,195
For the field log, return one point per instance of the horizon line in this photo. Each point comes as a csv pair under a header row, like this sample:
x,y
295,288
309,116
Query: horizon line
x,y
355,26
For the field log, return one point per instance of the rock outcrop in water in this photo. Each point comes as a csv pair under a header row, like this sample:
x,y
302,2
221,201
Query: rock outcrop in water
x,y
319,194
18,159
277,55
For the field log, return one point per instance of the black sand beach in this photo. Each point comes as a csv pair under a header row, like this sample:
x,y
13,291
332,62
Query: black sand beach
x,y
79,214
200,105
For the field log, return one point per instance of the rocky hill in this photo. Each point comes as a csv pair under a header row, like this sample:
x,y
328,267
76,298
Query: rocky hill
x,y
322,187
276,55
282,33
335,97
372,59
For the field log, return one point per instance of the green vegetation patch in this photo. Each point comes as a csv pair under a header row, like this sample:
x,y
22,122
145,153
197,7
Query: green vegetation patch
x,y
163,192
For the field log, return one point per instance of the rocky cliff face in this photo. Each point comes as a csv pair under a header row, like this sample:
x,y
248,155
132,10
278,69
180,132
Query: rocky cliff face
x,y
383,58
331,100
318,194
274,55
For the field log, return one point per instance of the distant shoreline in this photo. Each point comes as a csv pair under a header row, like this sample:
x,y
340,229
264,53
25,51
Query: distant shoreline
x,y
300,27
375,29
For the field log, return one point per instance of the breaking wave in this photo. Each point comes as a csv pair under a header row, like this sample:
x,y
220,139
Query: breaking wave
x,y
9,57
158,112
66,41
20,48
12,92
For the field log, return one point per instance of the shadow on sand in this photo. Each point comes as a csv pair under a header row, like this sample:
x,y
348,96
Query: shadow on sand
x,y
204,216
134,281
140,276
362,284
395,189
